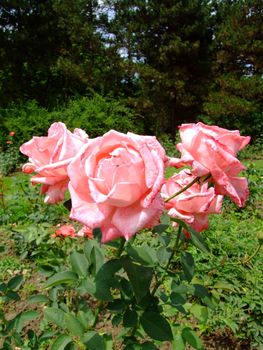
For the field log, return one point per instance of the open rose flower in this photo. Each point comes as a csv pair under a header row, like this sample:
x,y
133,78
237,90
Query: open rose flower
x,y
193,205
85,231
65,231
211,149
115,183
49,157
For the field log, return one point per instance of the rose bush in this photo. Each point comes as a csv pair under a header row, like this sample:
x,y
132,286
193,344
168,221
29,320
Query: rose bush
x,y
211,149
115,183
194,204
49,157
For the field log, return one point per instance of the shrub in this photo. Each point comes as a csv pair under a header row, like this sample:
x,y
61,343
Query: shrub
x,y
98,115
95,115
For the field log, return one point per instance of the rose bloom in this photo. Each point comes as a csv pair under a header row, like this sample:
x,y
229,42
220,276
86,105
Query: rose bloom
x,y
211,149
85,231
12,133
115,182
49,157
193,205
65,231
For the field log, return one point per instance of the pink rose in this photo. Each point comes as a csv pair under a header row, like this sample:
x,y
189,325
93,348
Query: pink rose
x,y
49,157
193,205
65,231
115,182
210,149
85,231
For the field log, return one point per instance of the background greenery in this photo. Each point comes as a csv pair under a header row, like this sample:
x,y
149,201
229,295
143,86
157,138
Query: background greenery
x,y
159,62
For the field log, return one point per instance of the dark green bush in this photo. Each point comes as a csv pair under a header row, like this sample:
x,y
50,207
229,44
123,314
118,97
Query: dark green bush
x,y
95,115
98,115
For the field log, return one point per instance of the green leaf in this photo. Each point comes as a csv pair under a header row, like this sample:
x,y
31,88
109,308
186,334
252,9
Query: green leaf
x,y
145,254
17,338
38,299
54,315
105,279
160,228
200,290
88,285
61,342
148,346
224,286
79,263
11,295
200,312
192,338
133,346
117,305
130,318
108,341
196,238
94,341
116,320
97,259
15,282
3,287
24,317
156,326
94,254
177,299
86,318
2,248
61,277
103,290
163,255
139,276
178,342
108,269
32,336
188,265
73,325
88,246
180,289
46,335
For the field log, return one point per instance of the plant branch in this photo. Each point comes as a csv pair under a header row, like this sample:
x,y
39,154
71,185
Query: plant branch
x,y
245,261
200,179
121,247
175,249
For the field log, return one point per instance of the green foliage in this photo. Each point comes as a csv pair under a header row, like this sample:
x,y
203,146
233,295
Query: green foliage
x,y
170,61
98,115
9,160
95,115
26,119
9,265
235,97
161,285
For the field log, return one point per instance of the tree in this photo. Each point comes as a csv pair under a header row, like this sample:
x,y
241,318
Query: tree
x,y
166,46
236,97
52,50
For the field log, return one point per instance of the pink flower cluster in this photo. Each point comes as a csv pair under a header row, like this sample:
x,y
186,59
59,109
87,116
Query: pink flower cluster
x,y
69,231
116,181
